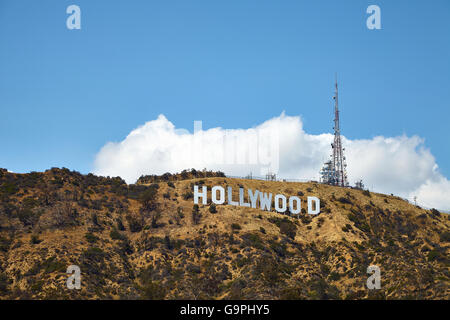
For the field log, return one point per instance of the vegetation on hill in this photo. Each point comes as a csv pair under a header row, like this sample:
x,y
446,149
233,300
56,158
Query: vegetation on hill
x,y
149,241
183,175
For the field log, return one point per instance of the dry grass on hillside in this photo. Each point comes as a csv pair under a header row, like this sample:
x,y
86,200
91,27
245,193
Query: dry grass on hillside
x,y
142,241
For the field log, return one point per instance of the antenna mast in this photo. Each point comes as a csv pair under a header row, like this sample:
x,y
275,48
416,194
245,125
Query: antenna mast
x,y
334,172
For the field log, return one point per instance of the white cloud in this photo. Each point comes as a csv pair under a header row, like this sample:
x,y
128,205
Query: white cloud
x,y
434,193
400,165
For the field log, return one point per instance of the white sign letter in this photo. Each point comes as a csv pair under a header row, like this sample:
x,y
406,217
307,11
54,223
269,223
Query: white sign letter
x,y
281,209
230,197
197,194
265,201
253,197
241,198
214,194
291,205
317,206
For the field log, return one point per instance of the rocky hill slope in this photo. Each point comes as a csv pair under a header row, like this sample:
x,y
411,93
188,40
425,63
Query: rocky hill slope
x,y
150,241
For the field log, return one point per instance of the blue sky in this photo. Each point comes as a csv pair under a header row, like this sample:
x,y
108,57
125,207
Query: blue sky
x,y
234,64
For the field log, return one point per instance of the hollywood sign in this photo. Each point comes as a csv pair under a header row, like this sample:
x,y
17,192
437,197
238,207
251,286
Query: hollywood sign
x,y
257,199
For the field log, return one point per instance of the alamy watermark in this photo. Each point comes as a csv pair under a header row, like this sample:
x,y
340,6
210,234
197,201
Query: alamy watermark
x,y
74,20
374,20
374,281
74,280
239,149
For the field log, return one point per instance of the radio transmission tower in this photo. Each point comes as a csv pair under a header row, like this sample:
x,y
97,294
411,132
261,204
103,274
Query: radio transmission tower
x,y
334,172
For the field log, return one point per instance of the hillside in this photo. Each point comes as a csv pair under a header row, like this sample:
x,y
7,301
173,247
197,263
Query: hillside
x,y
148,241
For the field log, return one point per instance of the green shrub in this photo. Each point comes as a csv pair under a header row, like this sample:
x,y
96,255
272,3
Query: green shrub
x,y
288,228
279,248
148,198
177,216
52,265
435,212
196,215
154,217
90,237
359,220
445,236
271,271
120,225
125,246
116,235
433,255
3,283
153,290
168,243
94,254
236,226
4,244
344,200
366,193
252,240
9,188
134,223
305,219
95,219
27,217
212,208
334,276
324,268
188,195
35,239
30,202
37,286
